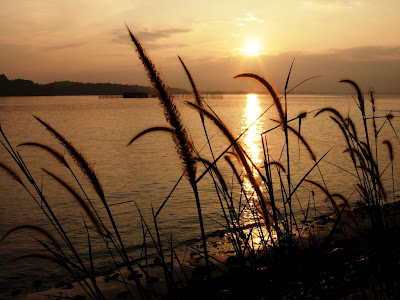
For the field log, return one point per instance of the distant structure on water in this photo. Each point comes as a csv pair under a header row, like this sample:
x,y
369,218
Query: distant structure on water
x,y
128,95
136,95
183,96
207,95
109,96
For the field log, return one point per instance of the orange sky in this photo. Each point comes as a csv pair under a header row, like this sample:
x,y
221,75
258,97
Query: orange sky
x,y
46,40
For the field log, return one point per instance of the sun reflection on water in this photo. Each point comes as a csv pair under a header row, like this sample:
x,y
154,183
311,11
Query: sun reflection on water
x,y
252,138
252,144
252,141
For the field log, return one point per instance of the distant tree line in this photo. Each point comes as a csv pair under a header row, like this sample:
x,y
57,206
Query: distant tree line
x,y
22,87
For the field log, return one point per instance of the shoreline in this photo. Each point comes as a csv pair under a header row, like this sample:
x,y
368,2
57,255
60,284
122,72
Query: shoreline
x,y
226,263
221,252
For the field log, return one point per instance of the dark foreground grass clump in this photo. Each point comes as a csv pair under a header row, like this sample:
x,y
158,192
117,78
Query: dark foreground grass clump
x,y
277,252
335,270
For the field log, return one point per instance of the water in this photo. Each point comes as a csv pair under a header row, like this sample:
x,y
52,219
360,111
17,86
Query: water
x,y
147,170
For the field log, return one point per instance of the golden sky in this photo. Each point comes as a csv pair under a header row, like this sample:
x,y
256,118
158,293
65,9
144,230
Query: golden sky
x,y
86,40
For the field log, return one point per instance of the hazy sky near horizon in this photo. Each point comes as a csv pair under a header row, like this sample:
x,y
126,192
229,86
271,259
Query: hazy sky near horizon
x,y
86,40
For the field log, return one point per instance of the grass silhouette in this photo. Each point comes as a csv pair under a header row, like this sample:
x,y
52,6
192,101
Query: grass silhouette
x,y
278,254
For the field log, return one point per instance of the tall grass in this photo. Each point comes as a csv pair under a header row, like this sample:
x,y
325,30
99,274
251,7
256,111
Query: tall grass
x,y
273,237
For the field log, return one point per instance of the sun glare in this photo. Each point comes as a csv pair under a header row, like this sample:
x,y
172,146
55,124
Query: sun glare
x,y
252,136
253,131
252,48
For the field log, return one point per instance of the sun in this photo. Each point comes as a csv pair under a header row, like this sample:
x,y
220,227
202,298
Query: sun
x,y
252,48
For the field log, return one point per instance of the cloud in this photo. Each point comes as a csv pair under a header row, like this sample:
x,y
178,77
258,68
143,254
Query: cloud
x,y
148,35
160,34
368,53
64,46
355,54
370,66
157,46
341,3
250,18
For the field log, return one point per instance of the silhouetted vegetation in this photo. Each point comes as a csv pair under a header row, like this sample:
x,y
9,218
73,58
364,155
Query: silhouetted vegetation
x,y
278,253
21,87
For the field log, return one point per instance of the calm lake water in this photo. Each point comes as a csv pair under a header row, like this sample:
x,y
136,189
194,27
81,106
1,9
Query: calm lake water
x,y
147,170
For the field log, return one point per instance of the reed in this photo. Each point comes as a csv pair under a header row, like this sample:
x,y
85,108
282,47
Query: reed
x,y
36,228
275,244
148,130
390,149
11,173
57,155
72,262
263,202
303,141
223,196
88,210
220,177
91,175
80,160
44,256
184,146
271,91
